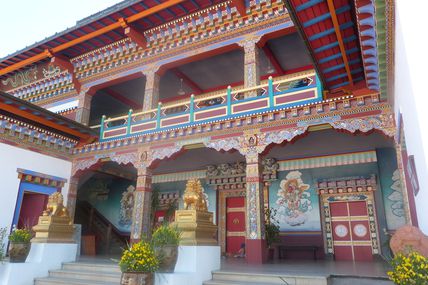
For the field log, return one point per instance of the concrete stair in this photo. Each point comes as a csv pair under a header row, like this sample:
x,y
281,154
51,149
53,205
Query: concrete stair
x,y
82,273
236,278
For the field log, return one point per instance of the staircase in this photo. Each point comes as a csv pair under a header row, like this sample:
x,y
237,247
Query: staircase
x,y
238,278
109,240
82,273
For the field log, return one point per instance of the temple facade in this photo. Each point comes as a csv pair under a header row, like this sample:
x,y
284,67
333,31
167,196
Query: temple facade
x,y
279,107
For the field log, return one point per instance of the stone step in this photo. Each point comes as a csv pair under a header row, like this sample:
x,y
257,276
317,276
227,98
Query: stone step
x,y
86,275
94,267
271,278
342,280
67,281
220,282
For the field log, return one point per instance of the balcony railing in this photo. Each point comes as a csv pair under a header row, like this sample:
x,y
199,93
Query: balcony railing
x,y
273,95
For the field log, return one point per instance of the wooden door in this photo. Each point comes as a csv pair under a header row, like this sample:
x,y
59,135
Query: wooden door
x,y
351,231
235,224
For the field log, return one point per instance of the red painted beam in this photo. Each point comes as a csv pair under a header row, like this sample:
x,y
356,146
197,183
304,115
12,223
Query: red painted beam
x,y
240,6
189,82
65,63
132,104
133,34
273,60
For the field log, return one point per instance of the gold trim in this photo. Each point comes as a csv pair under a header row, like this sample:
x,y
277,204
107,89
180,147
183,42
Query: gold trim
x,y
235,234
349,218
234,210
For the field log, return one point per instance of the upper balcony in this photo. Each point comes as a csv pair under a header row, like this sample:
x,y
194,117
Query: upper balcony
x,y
275,94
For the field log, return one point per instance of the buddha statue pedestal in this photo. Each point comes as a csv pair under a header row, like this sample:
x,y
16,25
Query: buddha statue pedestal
x,y
54,225
52,229
196,227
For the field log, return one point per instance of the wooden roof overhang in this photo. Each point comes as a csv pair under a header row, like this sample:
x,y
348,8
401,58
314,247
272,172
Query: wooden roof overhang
x,y
341,37
104,28
27,112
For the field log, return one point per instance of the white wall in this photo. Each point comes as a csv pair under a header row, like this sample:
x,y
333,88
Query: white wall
x,y
12,158
411,92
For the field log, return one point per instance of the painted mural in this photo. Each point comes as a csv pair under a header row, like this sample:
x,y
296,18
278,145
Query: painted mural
x,y
294,199
391,188
296,202
114,199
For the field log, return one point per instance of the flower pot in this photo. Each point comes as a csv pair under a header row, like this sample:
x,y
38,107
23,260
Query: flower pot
x,y
168,255
137,278
18,251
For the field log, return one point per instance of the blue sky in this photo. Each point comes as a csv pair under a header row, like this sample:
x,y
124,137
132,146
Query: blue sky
x,y
25,22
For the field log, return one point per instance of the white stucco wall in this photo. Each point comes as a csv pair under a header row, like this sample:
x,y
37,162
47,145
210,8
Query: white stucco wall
x,y
12,158
411,92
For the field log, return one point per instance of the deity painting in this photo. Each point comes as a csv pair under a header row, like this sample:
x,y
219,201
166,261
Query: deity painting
x,y
293,199
126,206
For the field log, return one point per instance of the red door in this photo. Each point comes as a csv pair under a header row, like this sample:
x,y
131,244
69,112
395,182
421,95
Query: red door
x,y
351,231
33,205
235,224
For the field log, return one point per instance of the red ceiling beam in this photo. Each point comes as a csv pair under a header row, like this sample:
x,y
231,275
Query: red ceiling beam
x,y
133,34
273,60
101,31
189,82
65,63
332,11
134,105
240,6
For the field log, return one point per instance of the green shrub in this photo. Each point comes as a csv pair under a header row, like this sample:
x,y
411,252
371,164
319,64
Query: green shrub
x,y
20,235
166,235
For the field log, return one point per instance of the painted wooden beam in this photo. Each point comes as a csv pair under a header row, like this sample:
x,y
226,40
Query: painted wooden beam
x,y
240,6
273,60
337,29
133,34
65,63
83,38
116,95
189,82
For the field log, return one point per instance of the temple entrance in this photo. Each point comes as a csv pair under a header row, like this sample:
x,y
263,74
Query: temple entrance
x,y
351,231
235,224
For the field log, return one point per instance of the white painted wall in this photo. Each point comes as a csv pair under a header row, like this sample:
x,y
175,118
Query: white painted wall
x,y
411,92
12,158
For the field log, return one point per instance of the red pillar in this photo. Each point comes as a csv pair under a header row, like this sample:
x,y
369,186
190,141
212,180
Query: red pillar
x,y
255,244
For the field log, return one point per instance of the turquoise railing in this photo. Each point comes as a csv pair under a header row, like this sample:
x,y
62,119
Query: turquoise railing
x,y
284,93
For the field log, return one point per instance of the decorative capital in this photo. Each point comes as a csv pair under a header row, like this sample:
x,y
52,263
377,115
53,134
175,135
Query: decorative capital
x,y
383,122
249,42
150,70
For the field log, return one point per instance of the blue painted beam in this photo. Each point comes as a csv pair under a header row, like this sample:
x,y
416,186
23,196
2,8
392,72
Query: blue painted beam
x,y
342,75
308,5
339,66
337,55
330,31
335,44
325,16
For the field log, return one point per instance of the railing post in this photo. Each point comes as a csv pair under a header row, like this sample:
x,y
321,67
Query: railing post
x,y
270,92
103,117
229,100
319,86
158,115
128,123
192,108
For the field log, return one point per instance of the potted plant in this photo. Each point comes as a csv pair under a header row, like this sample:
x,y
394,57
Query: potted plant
x,y
138,263
165,241
19,244
411,268
271,230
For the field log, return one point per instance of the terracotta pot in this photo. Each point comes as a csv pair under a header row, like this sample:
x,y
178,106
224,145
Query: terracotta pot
x,y
137,278
168,255
18,251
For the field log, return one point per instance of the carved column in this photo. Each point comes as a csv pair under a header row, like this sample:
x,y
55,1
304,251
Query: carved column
x,y
84,108
141,224
404,188
251,64
72,196
151,92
